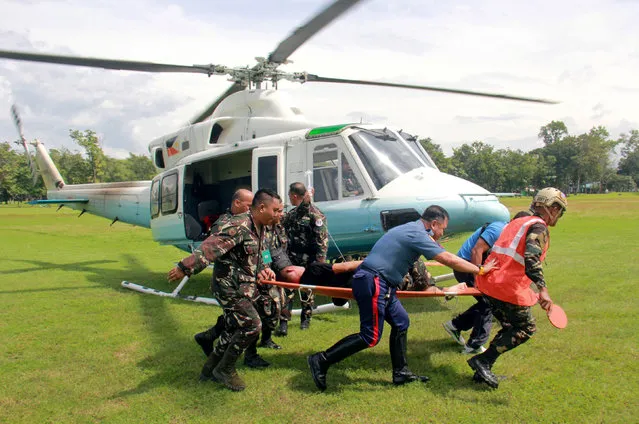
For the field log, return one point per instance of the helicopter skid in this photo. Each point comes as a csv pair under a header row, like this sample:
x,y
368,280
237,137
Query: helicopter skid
x,y
175,294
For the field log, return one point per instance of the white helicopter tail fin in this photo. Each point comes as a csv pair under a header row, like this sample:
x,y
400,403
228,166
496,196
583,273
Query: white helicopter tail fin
x,y
50,174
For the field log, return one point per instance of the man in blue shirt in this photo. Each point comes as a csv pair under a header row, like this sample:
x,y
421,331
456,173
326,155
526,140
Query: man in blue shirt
x,y
478,317
374,287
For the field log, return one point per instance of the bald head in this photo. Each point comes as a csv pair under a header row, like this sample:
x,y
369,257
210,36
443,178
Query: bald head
x,y
241,201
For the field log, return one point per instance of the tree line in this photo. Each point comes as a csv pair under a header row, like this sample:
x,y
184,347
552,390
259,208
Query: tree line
x,y
573,163
90,165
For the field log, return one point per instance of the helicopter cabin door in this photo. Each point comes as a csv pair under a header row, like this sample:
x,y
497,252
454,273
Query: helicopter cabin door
x,y
167,220
267,169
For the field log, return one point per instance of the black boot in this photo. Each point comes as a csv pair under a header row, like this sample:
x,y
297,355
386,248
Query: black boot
x,y
320,361
401,374
207,370
483,371
206,338
225,371
252,359
267,340
283,330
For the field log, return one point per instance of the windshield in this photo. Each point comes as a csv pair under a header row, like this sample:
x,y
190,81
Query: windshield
x,y
384,156
414,144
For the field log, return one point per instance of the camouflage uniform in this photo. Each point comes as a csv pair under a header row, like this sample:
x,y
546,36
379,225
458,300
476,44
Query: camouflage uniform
x,y
272,298
236,250
518,322
307,235
418,278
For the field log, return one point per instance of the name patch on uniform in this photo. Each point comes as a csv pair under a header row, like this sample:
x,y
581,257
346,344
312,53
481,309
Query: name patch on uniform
x,y
266,257
319,222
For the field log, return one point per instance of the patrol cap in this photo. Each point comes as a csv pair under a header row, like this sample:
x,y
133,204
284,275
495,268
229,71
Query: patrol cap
x,y
549,196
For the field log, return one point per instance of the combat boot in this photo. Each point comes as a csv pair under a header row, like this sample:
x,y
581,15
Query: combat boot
x,y
206,338
307,313
225,371
401,374
483,371
321,361
252,359
282,331
207,370
267,341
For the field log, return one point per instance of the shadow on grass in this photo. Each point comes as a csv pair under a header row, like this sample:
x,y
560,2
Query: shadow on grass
x,y
175,360
445,380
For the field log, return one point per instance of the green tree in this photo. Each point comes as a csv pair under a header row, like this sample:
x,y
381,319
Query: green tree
x,y
553,132
479,163
74,168
629,163
141,167
437,155
88,140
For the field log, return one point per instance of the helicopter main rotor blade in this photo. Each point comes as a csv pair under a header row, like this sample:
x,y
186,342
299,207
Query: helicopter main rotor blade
x,y
316,78
124,65
309,29
238,86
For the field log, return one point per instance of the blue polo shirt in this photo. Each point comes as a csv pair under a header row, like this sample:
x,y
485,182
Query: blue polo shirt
x,y
489,235
394,254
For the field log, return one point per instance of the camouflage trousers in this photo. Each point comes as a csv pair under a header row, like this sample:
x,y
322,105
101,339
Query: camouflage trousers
x,y
270,304
306,300
242,322
517,324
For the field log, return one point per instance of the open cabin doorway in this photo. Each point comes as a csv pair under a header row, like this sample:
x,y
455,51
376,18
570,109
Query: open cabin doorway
x,y
208,188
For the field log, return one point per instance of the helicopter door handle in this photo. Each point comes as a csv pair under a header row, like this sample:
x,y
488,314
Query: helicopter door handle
x,y
370,230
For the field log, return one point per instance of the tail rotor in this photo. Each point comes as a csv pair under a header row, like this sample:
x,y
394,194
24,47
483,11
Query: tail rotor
x,y
23,141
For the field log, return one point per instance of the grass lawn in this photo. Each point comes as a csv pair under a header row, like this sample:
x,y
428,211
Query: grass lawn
x,y
76,347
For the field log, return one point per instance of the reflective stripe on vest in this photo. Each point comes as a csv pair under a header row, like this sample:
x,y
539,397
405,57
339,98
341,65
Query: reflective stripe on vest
x,y
511,250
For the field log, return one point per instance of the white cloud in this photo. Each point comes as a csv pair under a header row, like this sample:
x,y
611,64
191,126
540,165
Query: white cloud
x,y
583,53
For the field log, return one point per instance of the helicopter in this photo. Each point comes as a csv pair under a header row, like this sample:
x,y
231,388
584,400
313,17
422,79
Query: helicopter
x,y
366,178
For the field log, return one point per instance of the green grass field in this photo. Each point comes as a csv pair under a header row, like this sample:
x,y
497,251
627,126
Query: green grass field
x,y
76,347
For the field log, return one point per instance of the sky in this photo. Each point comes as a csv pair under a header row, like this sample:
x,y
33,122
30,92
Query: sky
x,y
583,53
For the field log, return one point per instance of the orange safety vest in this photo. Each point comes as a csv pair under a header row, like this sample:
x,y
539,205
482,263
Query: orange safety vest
x,y
509,283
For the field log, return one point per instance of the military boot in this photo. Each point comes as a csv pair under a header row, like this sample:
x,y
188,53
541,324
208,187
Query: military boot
x,y
252,359
267,340
307,313
401,374
225,371
206,338
483,371
207,370
321,361
282,331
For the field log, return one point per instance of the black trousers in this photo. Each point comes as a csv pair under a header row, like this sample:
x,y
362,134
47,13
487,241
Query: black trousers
x,y
478,317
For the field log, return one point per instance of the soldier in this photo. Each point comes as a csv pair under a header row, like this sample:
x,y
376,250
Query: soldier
x,y
374,288
350,185
240,203
273,298
241,262
307,235
519,251
478,317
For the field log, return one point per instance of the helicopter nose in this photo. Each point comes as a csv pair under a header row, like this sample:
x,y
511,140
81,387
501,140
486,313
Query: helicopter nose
x,y
469,205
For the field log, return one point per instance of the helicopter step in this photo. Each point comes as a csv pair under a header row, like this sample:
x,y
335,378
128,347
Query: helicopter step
x,y
175,294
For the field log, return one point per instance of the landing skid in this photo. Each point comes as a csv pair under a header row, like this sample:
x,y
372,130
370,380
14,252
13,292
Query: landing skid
x,y
175,294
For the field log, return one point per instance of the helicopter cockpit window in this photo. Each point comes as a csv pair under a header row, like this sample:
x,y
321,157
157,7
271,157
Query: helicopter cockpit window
x,y
350,185
325,172
414,144
155,198
169,194
216,131
384,156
